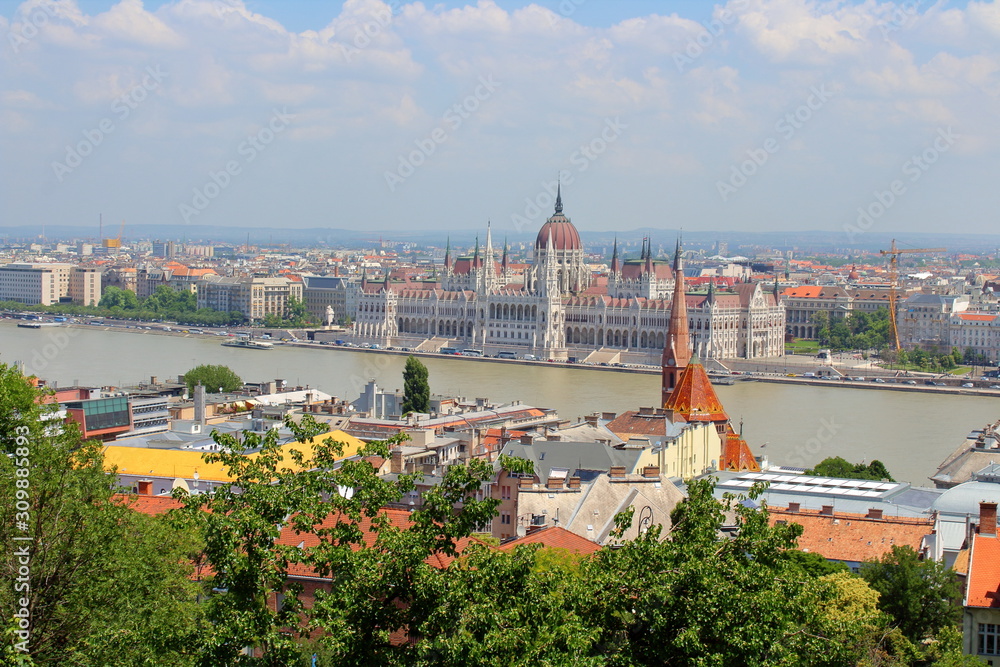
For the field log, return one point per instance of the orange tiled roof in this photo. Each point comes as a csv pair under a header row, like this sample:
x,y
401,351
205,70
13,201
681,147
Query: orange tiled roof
x,y
977,317
736,454
396,518
149,505
638,423
694,398
555,537
983,588
854,537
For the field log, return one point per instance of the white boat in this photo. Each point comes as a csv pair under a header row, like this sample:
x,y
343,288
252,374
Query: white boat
x,y
249,344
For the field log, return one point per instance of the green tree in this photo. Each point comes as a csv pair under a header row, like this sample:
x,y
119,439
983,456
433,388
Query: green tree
x,y
380,580
105,584
836,466
416,389
114,297
297,314
920,595
213,377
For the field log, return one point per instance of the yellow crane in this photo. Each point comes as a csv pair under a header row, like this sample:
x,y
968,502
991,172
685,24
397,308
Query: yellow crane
x,y
893,252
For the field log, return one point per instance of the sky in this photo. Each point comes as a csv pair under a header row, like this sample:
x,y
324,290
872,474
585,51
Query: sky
x,y
754,115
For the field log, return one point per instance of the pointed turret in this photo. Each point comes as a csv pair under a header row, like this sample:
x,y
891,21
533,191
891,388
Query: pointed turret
x,y
648,266
559,205
505,262
615,266
677,351
490,268
475,256
447,256
364,278
711,291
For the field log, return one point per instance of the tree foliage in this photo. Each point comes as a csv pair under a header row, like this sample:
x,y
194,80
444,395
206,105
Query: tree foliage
x,y
919,595
416,389
720,586
105,584
213,378
836,466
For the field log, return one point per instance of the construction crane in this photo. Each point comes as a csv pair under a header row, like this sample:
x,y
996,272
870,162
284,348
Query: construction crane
x,y
893,252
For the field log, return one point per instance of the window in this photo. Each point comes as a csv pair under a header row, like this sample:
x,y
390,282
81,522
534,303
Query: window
x,y
989,639
505,493
505,517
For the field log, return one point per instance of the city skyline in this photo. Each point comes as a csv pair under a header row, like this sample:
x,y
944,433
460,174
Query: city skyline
x,y
749,116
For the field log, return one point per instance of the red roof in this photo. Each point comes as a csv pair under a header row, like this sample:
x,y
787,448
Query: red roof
x,y
555,537
396,518
736,454
977,317
694,398
983,588
563,233
149,505
855,537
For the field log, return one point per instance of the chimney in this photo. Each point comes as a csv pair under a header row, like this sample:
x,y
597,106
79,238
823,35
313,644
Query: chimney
x,y
153,380
554,483
617,472
651,471
145,487
646,411
199,404
826,510
574,482
396,461
525,483
608,416
987,519
874,513
591,420
526,439
794,507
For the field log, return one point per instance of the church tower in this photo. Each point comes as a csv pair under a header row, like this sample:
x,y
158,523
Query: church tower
x,y
677,351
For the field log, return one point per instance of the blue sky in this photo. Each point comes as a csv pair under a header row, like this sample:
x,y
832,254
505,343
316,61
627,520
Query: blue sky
x,y
749,115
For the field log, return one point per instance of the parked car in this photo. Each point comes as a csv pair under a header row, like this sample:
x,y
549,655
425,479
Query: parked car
x,y
967,385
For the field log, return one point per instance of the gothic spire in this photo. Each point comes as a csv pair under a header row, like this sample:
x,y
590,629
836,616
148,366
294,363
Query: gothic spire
x,y
559,205
447,254
677,351
614,258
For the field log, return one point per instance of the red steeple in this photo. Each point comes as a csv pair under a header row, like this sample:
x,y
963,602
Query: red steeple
x,y
677,351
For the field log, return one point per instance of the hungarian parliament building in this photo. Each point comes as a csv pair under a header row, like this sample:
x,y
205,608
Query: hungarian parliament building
x,y
556,311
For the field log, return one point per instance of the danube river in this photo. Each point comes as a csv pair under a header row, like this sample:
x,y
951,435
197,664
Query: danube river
x,y
911,432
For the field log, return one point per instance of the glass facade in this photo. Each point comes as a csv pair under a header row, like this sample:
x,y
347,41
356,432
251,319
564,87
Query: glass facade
x,y
103,413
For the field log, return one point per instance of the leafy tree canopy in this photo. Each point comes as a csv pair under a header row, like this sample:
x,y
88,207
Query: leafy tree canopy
x,y
213,377
836,466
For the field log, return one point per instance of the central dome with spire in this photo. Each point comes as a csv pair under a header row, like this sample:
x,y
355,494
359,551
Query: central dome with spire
x,y
559,228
